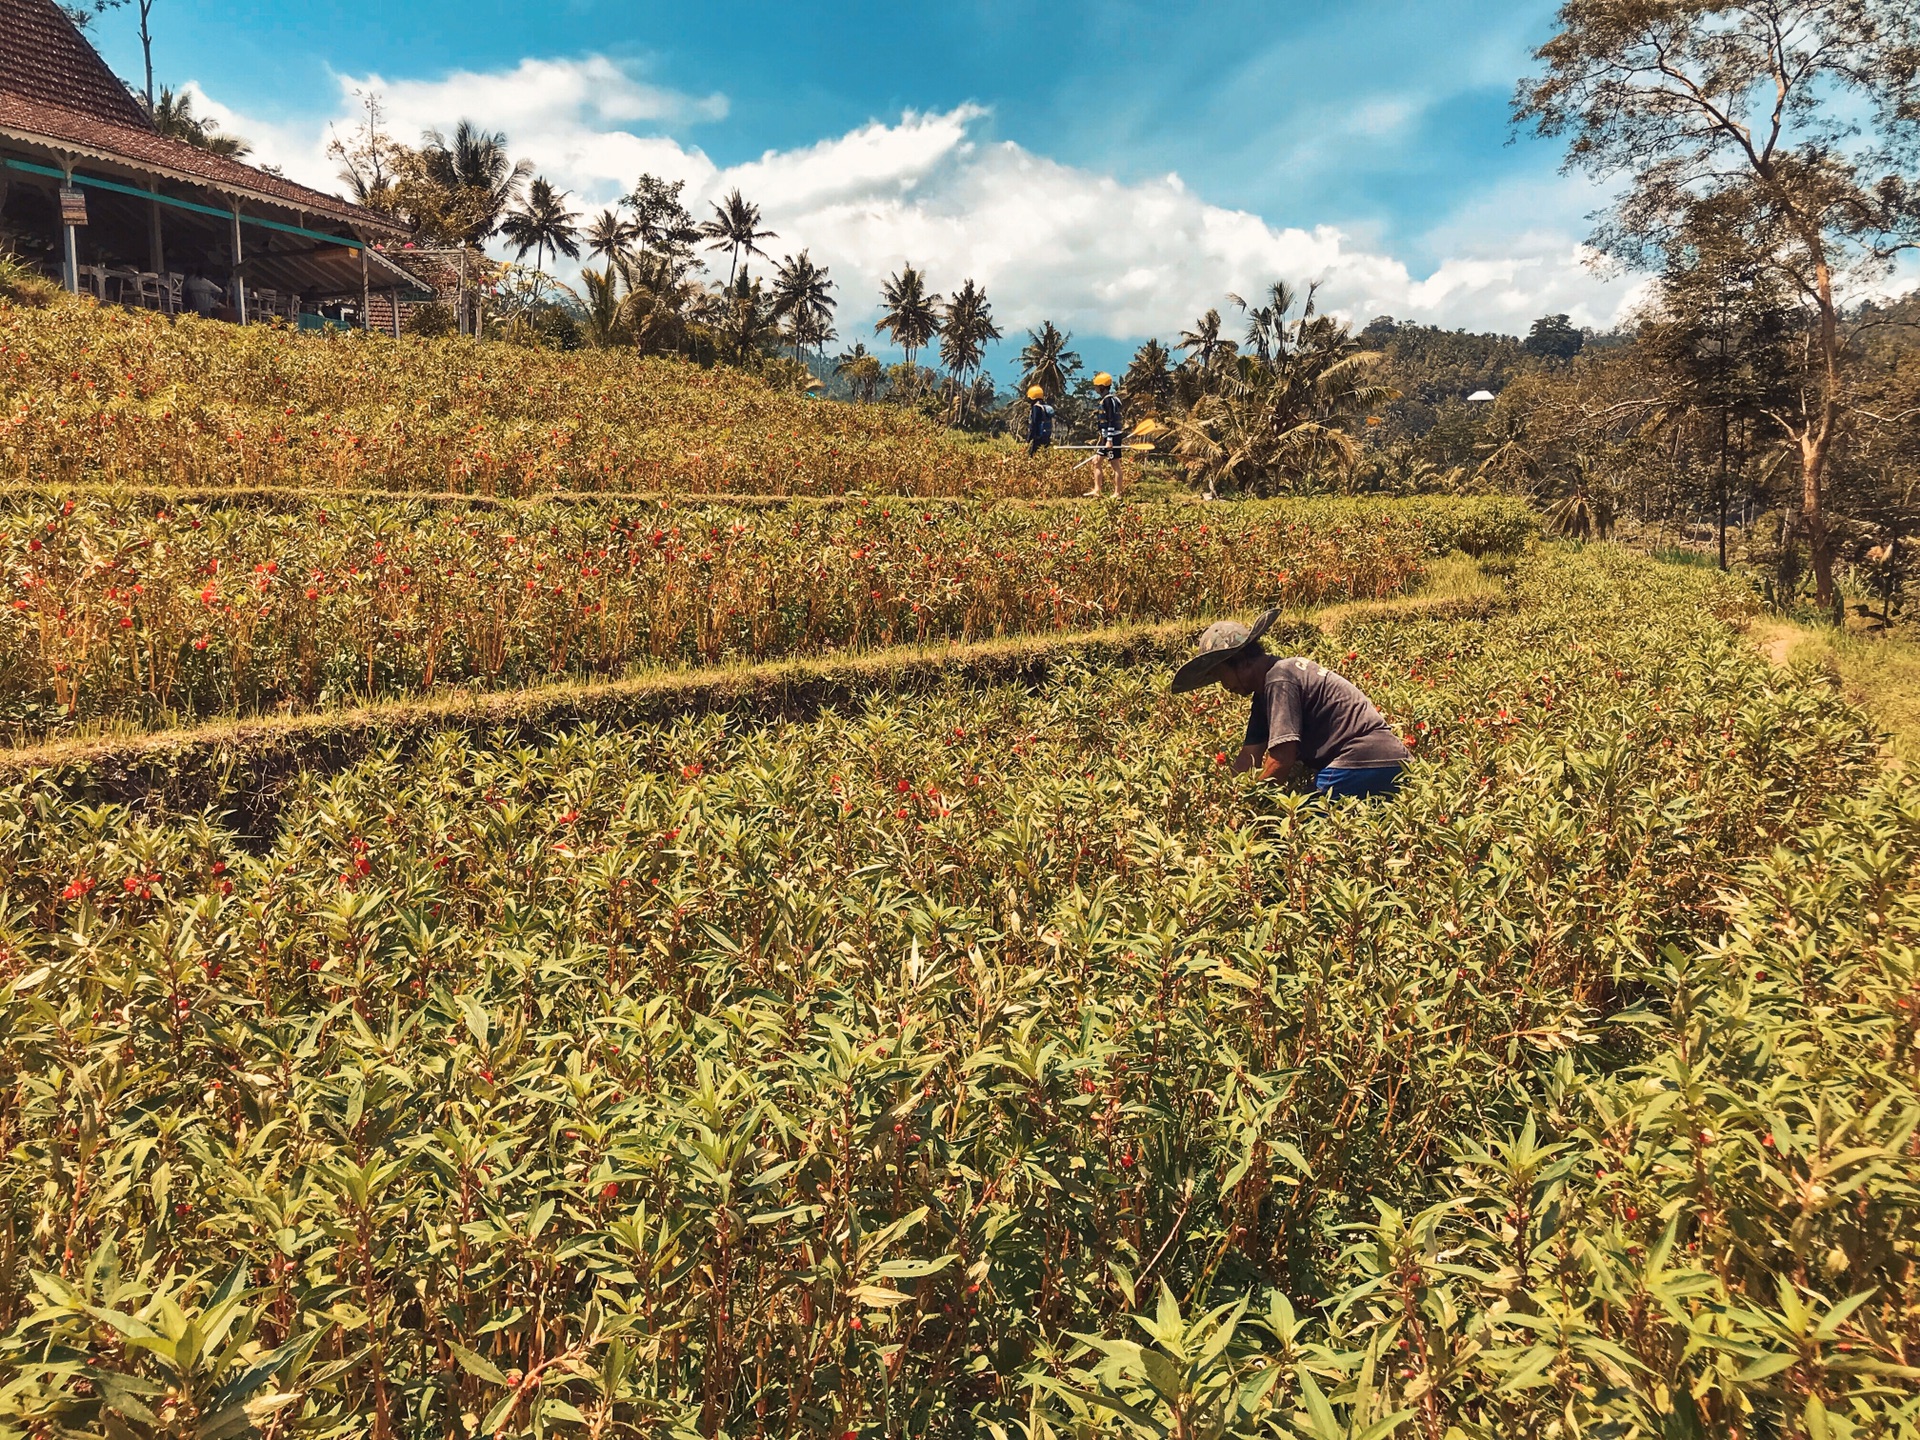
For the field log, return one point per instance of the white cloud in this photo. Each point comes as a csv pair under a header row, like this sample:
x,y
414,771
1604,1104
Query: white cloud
x,y
1047,240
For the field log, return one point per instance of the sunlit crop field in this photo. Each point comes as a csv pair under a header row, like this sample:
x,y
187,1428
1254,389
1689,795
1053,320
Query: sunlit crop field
x,y
130,397
865,1076
143,611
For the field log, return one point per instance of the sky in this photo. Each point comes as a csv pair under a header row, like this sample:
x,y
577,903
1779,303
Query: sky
x,y
1116,168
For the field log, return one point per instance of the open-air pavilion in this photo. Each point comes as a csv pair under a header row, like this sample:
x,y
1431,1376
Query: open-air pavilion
x,y
95,195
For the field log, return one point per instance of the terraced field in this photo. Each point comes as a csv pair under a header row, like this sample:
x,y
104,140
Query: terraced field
x,y
986,1059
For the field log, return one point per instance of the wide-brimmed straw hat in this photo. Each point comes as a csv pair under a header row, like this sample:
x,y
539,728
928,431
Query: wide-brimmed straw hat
x,y
1221,643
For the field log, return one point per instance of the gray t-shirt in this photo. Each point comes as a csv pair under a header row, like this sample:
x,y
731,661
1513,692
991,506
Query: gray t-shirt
x,y
1337,726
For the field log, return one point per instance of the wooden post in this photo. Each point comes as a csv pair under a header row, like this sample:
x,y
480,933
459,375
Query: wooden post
x,y
239,295
463,326
395,293
366,291
156,246
72,242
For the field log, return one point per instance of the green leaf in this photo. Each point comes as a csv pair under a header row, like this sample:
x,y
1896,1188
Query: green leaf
x,y
476,1364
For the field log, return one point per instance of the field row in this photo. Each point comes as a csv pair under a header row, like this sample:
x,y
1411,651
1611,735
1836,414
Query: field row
x,y
831,1078
131,611
132,398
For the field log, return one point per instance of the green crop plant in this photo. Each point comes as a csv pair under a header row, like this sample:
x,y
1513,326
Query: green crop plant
x,y
133,610
998,1066
135,398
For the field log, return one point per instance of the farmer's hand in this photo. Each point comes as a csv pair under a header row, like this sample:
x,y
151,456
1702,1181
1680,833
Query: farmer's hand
x,y
1249,756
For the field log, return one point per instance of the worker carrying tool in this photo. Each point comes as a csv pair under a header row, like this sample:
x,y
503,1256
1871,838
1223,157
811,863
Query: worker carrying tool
x,y
1304,717
1039,421
1112,427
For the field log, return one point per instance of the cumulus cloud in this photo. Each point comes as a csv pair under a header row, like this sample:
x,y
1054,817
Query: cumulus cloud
x,y
1047,240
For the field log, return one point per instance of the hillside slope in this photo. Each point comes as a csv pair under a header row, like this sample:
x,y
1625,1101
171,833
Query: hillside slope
x,y
101,394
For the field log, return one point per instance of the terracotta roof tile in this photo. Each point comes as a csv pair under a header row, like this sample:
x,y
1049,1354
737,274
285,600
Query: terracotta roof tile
x,y
54,87
47,60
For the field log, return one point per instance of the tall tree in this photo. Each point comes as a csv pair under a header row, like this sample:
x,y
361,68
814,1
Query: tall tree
x,y
665,225
610,235
1147,386
1046,361
370,160
1801,115
910,316
1554,337
861,369
1202,343
735,227
460,187
966,329
543,223
803,297
173,117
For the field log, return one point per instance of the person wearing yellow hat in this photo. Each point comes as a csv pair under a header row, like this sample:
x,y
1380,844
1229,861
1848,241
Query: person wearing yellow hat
x,y
1112,426
1039,421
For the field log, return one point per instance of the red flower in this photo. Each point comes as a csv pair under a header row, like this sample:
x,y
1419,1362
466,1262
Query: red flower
x,y
693,771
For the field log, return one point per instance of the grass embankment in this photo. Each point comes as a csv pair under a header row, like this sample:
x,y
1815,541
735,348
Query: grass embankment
x,y
1880,674
838,1075
131,612
92,394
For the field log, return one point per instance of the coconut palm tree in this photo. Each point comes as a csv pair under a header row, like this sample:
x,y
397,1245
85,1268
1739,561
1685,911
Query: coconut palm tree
x,y
543,223
966,329
911,317
1147,387
803,296
861,369
474,166
661,302
606,313
1045,361
735,227
610,235
173,117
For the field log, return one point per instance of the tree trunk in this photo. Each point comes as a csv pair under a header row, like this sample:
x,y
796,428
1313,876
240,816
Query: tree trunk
x,y
1817,444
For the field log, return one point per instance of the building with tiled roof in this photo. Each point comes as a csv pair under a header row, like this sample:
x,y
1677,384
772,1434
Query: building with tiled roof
x,y
75,145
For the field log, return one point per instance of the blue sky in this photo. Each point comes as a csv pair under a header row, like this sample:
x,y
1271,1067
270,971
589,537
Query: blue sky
x,y
1033,146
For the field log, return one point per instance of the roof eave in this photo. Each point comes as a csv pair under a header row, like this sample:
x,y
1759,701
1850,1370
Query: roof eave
x,y
353,214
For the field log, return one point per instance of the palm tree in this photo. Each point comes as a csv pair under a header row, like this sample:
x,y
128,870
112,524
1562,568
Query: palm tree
x,y
1270,423
1203,341
966,329
803,296
1045,361
543,223
910,317
475,164
736,227
661,301
1147,387
861,369
606,313
1266,323
173,117
610,235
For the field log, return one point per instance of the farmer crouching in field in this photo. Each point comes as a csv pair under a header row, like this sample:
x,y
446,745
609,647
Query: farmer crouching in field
x,y
1304,716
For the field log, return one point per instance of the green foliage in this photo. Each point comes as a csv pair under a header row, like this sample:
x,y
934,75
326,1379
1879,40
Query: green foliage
x,y
144,609
871,1074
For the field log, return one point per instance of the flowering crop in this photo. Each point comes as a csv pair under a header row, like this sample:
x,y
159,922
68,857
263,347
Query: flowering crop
x,y
136,609
131,397
830,1079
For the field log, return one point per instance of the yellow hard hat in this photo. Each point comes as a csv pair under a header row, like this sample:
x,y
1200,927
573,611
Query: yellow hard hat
x,y
1103,380
1035,393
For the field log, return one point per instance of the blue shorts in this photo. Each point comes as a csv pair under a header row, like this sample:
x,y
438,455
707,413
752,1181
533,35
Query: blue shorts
x,y
1357,784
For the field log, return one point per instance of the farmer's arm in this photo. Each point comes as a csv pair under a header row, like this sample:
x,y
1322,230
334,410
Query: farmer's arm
x,y
1280,761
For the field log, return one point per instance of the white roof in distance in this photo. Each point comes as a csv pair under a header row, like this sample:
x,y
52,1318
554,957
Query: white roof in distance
x,y
1480,395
